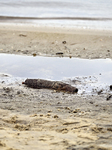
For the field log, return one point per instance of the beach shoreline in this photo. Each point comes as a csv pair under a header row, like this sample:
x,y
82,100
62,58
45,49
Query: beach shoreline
x,y
47,119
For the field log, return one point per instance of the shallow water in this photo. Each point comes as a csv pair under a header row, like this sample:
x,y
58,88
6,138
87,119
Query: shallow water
x,y
78,13
86,74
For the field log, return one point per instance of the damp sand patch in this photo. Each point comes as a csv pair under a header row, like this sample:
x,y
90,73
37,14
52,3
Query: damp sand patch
x,y
90,76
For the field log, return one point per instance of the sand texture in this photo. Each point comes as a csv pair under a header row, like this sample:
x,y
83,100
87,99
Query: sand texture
x,y
45,119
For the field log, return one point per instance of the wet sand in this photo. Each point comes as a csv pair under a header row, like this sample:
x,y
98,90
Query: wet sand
x,y
45,119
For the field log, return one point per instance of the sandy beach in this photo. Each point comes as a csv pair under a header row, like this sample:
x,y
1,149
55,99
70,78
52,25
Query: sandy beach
x,y
43,119
47,41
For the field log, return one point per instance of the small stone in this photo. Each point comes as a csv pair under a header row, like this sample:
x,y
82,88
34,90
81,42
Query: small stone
x,y
7,89
48,114
34,54
34,115
109,97
70,56
18,92
91,102
56,116
80,114
76,110
109,129
20,95
54,91
67,108
64,42
49,111
58,103
99,92
59,53
19,50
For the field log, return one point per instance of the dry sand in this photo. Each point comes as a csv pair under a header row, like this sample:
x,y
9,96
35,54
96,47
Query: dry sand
x,y
49,41
32,119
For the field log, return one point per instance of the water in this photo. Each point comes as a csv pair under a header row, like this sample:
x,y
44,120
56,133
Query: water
x,y
86,74
72,13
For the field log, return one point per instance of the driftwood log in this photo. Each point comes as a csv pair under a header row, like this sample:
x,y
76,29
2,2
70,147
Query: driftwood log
x,y
110,87
55,85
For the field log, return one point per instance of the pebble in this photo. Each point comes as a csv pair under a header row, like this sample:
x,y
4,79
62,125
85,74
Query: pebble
x,y
34,54
56,116
48,114
109,97
49,111
34,115
67,108
76,110
18,92
19,50
18,133
7,89
91,102
99,92
64,42
70,56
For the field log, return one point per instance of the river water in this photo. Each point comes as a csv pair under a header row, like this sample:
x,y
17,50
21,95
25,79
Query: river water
x,y
72,13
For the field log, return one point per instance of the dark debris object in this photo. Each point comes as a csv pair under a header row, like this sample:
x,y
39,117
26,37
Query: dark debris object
x,y
110,87
59,53
99,92
109,97
64,42
54,85
34,54
24,35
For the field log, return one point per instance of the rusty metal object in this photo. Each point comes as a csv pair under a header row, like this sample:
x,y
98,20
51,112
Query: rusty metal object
x,y
55,85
